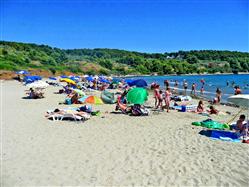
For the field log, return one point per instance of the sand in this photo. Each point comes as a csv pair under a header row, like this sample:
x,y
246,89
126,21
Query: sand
x,y
163,149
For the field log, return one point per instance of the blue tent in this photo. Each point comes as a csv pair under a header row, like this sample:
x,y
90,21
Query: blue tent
x,y
138,83
22,72
52,78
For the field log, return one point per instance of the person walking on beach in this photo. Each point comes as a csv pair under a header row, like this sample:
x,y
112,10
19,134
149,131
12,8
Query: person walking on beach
x,y
193,88
167,98
185,87
218,95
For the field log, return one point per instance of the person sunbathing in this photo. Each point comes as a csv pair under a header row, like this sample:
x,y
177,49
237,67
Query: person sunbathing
x,y
200,107
213,110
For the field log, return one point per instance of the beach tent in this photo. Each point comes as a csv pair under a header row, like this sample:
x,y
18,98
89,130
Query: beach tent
x,y
137,96
138,83
22,72
108,97
93,100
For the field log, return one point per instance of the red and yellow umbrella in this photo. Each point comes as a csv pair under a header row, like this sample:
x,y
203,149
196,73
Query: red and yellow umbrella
x,y
94,100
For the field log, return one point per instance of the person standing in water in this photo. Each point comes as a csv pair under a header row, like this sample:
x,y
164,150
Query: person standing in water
x,y
166,84
185,87
176,87
218,95
193,88
202,90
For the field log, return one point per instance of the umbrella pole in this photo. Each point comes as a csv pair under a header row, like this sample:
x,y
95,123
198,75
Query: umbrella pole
x,y
235,116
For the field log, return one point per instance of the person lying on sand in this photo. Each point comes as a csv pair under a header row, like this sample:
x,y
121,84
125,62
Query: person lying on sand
x,y
62,112
213,110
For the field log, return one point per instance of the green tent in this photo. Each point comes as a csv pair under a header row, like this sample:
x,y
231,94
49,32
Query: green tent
x,y
137,96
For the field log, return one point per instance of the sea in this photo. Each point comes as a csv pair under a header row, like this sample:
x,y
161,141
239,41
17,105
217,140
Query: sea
x,y
225,82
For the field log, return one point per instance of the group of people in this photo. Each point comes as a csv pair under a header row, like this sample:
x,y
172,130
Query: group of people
x,y
162,96
35,93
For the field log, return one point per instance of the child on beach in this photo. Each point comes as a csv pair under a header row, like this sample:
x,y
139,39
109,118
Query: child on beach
x,y
156,94
160,100
167,99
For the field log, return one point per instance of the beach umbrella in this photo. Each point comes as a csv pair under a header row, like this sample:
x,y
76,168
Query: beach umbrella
x,y
38,84
93,100
67,80
137,95
52,78
22,72
90,78
64,76
78,91
138,83
240,100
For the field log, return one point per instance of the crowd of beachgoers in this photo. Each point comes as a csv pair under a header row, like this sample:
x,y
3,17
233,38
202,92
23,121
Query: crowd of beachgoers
x,y
107,131
129,96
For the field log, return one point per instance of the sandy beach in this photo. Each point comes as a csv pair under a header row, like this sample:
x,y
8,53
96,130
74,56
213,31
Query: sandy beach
x,y
162,149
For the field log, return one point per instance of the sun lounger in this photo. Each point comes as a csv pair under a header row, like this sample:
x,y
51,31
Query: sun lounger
x,y
68,116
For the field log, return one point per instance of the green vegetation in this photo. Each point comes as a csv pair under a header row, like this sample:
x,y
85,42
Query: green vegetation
x,y
15,56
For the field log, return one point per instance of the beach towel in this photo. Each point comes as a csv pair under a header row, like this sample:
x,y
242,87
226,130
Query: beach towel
x,y
225,136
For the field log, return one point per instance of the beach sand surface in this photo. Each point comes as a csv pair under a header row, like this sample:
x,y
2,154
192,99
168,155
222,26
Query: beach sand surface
x,y
162,149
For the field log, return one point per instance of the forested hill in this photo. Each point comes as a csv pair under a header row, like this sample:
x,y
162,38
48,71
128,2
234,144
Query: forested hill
x,y
16,56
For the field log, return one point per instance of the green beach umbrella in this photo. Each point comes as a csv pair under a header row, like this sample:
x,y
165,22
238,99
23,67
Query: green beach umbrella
x,y
137,96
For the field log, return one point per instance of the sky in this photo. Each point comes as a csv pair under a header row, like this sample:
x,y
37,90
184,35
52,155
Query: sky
x,y
154,26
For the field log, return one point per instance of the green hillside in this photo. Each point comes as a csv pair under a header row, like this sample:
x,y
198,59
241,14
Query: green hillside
x,y
15,56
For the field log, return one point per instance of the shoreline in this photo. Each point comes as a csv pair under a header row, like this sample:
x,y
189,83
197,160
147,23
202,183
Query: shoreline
x,y
193,74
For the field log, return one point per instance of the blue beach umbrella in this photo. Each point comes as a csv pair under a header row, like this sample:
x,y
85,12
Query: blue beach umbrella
x,y
138,83
64,76
90,78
